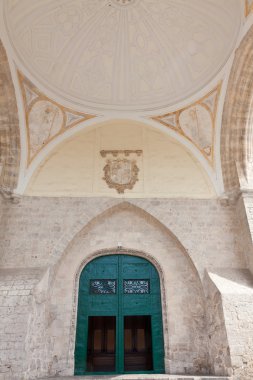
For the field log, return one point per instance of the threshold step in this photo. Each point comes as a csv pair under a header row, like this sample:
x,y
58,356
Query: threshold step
x,y
139,377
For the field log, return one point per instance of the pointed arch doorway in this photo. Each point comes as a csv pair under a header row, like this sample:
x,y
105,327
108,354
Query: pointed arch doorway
x,y
119,317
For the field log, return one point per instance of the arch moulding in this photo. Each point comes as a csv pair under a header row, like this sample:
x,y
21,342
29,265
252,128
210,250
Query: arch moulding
x,y
9,130
237,120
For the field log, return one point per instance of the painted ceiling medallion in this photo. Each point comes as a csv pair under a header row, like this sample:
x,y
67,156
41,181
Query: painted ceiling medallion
x,y
196,122
120,173
45,119
96,57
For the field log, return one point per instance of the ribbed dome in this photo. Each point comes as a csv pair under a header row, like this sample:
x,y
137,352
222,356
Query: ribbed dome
x,y
134,55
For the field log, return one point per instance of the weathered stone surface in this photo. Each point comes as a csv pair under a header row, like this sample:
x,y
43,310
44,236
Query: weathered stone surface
x,y
9,128
42,228
236,141
206,329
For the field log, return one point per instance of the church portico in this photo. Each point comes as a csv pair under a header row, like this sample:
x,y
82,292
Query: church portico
x,y
126,190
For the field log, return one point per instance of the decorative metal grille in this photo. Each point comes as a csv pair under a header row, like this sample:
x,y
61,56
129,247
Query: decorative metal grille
x,y
136,286
103,286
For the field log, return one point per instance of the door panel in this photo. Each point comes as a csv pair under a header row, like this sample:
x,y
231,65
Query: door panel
x,y
101,344
126,290
137,343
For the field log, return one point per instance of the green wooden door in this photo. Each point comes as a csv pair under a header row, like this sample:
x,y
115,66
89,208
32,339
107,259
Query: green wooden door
x,y
119,318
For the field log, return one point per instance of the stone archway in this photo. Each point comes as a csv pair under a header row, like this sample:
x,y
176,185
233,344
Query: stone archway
x,y
185,334
237,121
9,129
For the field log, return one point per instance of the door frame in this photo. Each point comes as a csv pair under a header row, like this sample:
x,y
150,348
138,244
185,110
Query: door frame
x,y
119,323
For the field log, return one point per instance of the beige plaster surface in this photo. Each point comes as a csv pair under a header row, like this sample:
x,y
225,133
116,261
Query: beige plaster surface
x,y
166,168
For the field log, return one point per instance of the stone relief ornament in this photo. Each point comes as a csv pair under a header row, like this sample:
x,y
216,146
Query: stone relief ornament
x,y
120,173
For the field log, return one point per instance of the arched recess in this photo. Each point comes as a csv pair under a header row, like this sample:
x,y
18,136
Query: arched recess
x,y
237,121
183,305
9,128
75,167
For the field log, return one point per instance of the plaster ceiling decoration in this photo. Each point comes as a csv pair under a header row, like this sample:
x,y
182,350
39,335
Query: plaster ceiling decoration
x,y
196,122
125,55
248,7
45,119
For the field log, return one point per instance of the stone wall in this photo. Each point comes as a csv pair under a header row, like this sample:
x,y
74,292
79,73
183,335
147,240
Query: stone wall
x,y
1,208
220,360
54,237
235,287
16,288
244,212
182,295
36,231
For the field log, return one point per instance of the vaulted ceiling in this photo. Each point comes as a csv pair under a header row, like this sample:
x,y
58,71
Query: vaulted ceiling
x,y
165,63
137,55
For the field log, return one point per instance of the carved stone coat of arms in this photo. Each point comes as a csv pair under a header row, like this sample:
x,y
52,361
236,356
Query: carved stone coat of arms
x,y
121,173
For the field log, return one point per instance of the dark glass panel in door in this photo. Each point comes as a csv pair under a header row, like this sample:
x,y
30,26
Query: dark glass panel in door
x,y
137,343
101,344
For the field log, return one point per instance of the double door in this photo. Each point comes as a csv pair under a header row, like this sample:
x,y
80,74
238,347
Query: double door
x,y
119,321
